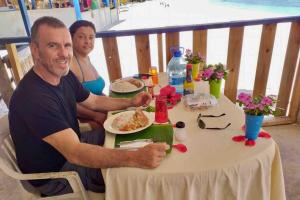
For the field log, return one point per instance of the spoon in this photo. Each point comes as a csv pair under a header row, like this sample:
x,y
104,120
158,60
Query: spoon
x,y
180,147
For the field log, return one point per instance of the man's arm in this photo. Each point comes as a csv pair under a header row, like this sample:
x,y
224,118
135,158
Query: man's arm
x,y
88,114
68,144
104,103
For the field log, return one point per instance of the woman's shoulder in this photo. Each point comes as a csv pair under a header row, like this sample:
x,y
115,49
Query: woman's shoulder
x,y
75,69
73,64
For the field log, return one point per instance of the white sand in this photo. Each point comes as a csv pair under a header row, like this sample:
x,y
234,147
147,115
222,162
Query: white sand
x,y
153,14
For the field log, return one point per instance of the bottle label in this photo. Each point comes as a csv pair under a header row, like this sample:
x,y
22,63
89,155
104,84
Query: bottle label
x,y
176,80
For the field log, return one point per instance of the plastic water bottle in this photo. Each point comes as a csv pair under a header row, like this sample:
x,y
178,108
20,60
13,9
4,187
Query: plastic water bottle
x,y
176,71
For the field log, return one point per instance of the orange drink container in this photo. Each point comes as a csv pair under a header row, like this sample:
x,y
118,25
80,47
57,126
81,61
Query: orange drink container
x,y
154,75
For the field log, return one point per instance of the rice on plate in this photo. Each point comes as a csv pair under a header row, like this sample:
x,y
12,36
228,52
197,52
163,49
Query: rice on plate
x,y
126,85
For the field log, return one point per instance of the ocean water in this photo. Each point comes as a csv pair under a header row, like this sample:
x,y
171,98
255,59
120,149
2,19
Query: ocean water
x,y
277,6
155,14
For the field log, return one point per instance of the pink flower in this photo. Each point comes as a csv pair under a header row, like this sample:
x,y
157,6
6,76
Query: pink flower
x,y
207,73
266,101
200,56
250,106
244,98
258,105
261,107
188,52
220,75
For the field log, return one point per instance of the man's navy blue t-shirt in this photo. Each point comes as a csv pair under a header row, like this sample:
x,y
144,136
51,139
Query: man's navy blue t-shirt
x,y
38,109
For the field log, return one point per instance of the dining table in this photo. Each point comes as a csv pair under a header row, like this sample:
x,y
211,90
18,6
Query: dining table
x,y
214,167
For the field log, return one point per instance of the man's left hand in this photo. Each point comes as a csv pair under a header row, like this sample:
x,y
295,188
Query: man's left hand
x,y
141,99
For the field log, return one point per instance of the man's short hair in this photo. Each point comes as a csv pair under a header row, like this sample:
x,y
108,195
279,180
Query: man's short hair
x,y
80,23
47,20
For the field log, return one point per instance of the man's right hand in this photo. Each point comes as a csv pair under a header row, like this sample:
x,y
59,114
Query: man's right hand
x,y
151,155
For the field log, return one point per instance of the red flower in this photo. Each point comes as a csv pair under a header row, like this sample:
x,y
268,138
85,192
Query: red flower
x,y
170,93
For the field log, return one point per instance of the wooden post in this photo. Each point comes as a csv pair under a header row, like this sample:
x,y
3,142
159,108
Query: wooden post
x,y
6,89
289,67
233,61
172,39
2,3
200,42
15,62
143,53
264,59
295,100
112,58
160,52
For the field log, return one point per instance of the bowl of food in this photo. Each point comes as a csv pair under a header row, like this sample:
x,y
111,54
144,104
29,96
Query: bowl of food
x,y
129,121
126,85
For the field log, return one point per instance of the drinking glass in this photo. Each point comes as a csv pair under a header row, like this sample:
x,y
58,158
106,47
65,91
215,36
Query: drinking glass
x,y
161,109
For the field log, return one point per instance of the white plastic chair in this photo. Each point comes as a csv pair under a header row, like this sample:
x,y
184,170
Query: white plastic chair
x,y
9,167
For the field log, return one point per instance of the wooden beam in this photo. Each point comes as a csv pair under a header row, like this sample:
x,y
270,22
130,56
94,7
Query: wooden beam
x,y
172,40
289,67
273,121
112,58
264,59
160,52
2,3
235,44
143,53
6,89
15,62
295,100
200,42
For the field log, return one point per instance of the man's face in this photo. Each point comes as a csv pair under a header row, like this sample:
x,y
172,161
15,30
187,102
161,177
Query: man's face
x,y
83,40
52,51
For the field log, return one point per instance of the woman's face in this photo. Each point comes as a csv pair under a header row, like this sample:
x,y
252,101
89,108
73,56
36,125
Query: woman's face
x,y
83,40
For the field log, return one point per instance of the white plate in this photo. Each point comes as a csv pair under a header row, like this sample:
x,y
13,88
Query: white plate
x,y
114,86
108,122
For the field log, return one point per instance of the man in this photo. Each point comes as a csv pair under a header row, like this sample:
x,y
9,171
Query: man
x,y
43,121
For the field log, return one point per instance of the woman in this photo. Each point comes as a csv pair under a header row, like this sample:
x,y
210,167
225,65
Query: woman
x,y
83,37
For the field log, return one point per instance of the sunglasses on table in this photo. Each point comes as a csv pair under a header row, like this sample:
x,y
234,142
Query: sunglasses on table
x,y
202,124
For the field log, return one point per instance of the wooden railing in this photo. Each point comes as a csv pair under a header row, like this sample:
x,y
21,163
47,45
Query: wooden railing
x,y
288,98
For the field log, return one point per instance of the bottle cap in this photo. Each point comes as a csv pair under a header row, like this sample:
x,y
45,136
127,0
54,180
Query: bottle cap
x,y
153,70
177,53
180,124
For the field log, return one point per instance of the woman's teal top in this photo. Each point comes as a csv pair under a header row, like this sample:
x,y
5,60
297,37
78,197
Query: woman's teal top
x,y
95,86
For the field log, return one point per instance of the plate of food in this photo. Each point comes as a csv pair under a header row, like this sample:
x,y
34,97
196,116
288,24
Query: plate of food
x,y
128,122
126,85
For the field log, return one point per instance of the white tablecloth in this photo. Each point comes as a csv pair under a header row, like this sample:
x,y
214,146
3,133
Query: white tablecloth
x,y
214,167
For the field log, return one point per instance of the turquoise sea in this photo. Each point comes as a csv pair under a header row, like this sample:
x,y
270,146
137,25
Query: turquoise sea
x,y
291,7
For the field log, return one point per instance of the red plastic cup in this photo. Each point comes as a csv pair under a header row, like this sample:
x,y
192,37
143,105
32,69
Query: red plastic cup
x,y
161,109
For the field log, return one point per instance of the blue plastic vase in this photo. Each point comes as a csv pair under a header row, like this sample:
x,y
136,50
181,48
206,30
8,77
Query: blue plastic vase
x,y
253,124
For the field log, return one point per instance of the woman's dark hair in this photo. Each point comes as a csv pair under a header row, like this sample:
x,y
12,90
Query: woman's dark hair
x,y
76,25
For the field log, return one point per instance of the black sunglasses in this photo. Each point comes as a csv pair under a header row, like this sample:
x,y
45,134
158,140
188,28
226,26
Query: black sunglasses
x,y
202,124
